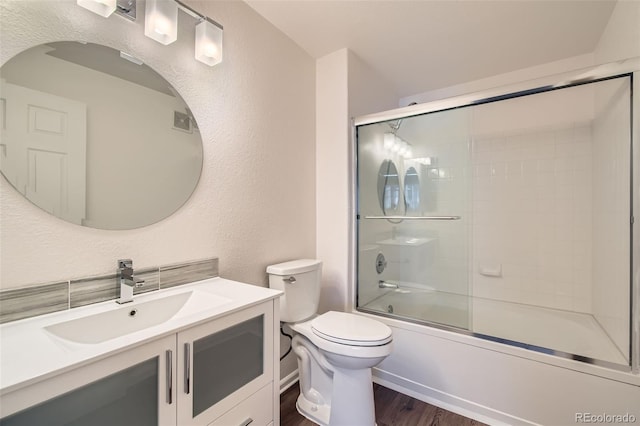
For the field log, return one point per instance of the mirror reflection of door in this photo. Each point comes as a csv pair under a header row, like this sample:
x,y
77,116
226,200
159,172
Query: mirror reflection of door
x,y
412,191
143,154
389,188
44,149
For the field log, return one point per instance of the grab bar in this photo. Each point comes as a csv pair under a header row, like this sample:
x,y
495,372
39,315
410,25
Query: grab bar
x,y
415,217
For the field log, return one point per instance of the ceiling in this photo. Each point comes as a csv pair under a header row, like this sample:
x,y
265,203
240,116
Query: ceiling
x,y
424,45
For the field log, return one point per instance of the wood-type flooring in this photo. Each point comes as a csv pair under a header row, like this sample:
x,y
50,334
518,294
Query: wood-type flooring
x,y
392,409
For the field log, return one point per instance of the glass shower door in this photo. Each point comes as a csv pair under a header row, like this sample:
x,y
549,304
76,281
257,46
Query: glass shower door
x,y
414,216
506,217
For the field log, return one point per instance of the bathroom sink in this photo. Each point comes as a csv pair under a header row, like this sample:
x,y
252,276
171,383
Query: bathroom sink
x,y
98,328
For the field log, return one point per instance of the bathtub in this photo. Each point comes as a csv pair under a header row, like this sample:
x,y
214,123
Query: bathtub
x,y
563,333
482,370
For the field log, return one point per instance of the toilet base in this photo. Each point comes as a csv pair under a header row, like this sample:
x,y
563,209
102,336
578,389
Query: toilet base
x,y
314,412
352,403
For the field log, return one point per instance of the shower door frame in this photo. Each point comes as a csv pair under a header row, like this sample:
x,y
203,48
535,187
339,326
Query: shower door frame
x,y
627,68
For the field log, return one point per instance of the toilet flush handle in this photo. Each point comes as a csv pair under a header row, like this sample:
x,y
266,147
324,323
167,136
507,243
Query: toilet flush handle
x,y
290,280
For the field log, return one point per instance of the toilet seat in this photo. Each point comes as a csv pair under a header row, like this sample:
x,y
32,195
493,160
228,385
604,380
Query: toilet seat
x,y
350,329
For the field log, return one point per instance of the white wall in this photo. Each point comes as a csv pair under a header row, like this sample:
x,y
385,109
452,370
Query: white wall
x,y
332,137
255,202
500,80
621,37
345,87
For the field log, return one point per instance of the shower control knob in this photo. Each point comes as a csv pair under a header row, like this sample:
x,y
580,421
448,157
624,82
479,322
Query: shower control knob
x,y
381,263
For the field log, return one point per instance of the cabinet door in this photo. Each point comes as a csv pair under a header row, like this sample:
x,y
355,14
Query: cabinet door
x,y
223,362
130,388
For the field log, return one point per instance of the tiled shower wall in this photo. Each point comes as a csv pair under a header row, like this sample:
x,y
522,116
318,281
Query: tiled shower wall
x,y
532,214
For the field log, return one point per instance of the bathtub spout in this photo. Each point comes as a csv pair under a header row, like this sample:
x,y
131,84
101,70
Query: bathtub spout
x,y
386,284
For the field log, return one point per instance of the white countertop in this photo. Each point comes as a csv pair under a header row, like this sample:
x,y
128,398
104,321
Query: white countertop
x,y
28,353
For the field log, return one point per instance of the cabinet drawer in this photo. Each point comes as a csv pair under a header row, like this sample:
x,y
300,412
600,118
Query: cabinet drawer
x,y
258,408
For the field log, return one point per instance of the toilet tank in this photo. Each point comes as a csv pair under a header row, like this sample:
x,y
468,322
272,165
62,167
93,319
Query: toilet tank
x,y
300,282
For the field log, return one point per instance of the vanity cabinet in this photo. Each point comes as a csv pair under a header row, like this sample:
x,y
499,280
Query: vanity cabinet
x,y
219,372
224,362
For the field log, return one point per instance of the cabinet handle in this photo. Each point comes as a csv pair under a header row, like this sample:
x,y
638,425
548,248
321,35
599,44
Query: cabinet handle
x,y
169,360
247,422
187,368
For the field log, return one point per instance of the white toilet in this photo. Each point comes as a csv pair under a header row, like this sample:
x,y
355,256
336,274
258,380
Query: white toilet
x,y
335,350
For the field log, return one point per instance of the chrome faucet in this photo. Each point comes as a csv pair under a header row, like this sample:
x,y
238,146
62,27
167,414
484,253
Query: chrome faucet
x,y
127,281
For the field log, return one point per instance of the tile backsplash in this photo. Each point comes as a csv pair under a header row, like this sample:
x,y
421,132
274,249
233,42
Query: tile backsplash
x,y
42,299
33,300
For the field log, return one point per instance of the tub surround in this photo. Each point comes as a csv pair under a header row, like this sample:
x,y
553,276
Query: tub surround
x,y
29,353
26,302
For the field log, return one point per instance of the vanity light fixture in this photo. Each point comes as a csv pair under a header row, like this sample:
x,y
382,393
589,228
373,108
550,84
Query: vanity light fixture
x,y
161,24
426,161
100,7
161,21
208,42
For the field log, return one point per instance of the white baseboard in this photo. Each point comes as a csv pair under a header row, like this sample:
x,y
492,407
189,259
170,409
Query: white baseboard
x,y
446,401
288,381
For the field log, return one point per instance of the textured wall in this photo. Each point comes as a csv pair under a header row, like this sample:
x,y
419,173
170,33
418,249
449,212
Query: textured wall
x,y
255,203
345,87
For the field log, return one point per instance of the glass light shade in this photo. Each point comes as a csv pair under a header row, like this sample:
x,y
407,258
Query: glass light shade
x,y
100,7
161,20
208,43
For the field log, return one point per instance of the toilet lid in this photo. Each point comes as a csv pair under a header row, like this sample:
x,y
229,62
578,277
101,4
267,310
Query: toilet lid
x,y
350,329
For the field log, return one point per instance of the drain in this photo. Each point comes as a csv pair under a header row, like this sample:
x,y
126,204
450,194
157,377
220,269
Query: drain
x,y
390,309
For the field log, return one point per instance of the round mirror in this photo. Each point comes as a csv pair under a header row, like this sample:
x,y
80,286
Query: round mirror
x,y
388,188
95,137
412,191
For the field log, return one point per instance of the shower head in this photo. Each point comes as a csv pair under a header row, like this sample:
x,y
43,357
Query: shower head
x,y
395,125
